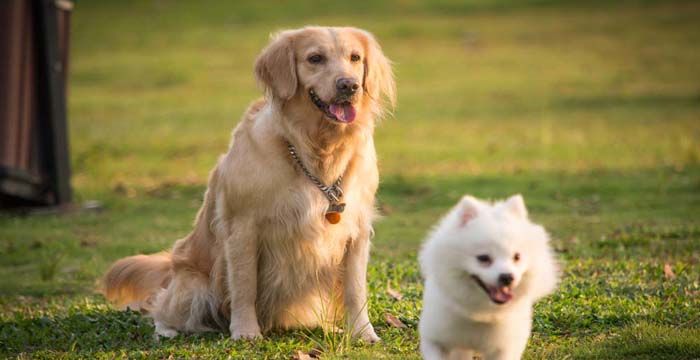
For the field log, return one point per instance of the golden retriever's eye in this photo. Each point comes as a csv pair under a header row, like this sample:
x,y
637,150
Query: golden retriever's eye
x,y
484,259
354,58
516,257
316,59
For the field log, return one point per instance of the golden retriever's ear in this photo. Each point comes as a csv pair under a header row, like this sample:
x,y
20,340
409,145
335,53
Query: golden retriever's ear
x,y
378,79
276,69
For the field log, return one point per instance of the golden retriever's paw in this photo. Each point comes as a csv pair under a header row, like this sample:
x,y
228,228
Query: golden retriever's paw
x,y
246,332
164,331
367,335
239,335
370,337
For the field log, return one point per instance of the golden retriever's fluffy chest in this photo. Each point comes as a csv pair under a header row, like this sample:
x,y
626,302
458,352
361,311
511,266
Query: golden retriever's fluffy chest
x,y
297,232
301,254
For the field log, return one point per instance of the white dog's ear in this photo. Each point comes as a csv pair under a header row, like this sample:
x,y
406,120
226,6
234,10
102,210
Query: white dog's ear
x,y
516,206
468,209
378,81
275,67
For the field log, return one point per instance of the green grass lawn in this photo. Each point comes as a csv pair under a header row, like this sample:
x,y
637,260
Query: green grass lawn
x,y
591,111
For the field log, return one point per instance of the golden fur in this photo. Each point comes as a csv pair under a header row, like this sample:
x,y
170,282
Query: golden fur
x,y
262,255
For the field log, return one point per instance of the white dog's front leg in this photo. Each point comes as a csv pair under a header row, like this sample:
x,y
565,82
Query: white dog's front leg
x,y
501,354
431,350
355,282
461,354
242,267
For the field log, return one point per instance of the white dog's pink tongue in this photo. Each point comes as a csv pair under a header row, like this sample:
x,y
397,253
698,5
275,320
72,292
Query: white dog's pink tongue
x,y
501,295
344,112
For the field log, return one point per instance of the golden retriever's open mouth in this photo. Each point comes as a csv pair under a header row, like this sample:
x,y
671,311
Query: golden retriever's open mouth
x,y
340,110
499,295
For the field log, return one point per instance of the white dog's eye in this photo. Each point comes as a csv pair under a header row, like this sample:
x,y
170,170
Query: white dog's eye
x,y
316,58
516,257
484,259
354,58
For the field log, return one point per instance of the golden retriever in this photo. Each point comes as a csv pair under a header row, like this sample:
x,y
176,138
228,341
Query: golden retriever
x,y
264,252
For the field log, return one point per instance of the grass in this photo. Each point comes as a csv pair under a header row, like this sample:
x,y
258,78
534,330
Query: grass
x,y
591,110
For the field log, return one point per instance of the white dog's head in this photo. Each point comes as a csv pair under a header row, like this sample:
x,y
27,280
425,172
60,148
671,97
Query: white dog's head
x,y
490,253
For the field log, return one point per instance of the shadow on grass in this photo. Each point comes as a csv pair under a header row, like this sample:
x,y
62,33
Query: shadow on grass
x,y
87,333
90,333
79,333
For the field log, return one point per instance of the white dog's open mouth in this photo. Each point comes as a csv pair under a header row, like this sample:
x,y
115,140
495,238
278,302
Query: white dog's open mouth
x,y
342,111
499,295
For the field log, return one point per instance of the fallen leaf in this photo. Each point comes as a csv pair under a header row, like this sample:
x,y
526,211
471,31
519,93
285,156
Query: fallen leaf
x,y
88,243
121,189
394,321
300,355
668,272
386,209
395,294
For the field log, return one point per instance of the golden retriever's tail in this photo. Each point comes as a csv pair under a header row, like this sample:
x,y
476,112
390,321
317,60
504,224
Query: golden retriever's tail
x,y
133,281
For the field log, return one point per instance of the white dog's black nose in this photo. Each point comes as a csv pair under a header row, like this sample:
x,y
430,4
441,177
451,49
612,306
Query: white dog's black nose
x,y
505,279
347,86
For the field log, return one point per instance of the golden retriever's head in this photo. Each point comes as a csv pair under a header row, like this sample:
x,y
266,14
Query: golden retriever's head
x,y
339,73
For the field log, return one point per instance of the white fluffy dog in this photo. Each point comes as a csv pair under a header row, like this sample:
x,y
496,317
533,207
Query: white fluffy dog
x,y
484,265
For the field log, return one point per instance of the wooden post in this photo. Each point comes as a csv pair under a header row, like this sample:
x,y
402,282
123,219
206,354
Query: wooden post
x,y
55,140
34,156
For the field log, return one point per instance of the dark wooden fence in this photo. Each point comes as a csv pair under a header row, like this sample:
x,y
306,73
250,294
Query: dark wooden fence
x,y
34,47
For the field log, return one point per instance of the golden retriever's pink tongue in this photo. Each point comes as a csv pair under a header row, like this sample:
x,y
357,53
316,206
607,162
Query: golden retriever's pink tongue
x,y
344,112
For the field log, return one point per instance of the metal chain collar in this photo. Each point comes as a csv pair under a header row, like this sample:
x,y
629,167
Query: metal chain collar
x,y
333,193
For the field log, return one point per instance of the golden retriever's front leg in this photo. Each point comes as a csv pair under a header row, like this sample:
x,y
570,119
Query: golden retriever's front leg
x,y
355,282
242,266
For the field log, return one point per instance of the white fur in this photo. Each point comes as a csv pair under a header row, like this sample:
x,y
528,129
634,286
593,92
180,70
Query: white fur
x,y
459,319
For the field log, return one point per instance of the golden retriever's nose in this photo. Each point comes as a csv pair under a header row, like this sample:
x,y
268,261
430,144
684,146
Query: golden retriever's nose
x,y
347,86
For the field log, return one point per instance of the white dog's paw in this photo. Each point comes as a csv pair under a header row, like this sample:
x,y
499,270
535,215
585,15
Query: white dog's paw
x,y
164,331
246,332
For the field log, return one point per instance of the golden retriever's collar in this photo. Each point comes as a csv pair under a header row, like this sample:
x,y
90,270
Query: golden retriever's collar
x,y
334,193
